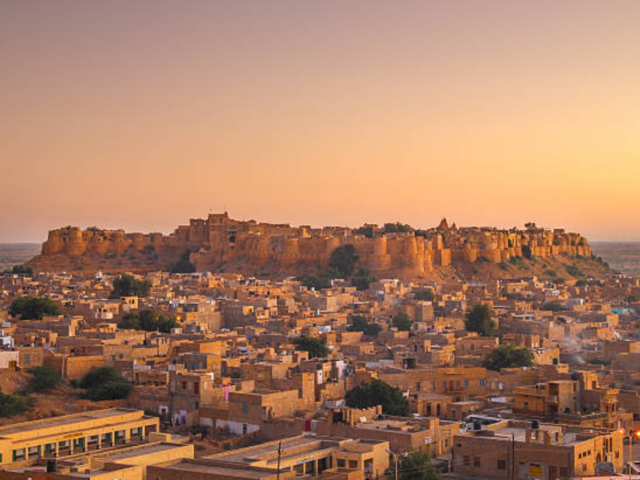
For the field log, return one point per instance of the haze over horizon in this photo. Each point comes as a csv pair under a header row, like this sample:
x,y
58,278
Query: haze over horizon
x,y
143,114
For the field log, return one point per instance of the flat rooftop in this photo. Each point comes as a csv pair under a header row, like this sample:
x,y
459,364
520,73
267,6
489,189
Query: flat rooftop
x,y
291,448
396,426
140,450
204,468
520,435
64,420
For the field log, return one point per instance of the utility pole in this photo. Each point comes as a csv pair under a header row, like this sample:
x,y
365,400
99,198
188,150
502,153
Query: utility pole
x,y
395,458
279,454
513,456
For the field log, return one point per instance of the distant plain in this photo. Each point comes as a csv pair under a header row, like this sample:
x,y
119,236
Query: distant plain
x,y
621,256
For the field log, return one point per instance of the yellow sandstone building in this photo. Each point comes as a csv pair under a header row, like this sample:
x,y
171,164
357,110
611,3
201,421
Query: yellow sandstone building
x,y
59,436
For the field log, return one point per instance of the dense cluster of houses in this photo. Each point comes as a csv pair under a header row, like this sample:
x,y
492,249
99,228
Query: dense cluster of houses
x,y
232,364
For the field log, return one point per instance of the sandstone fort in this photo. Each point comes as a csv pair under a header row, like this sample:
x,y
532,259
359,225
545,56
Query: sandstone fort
x,y
220,243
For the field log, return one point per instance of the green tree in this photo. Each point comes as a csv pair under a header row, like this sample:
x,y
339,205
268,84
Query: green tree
x,y
147,320
317,282
554,306
28,308
479,320
367,231
402,321
416,465
317,347
378,392
105,383
343,261
22,270
359,323
362,279
183,265
43,379
397,227
424,295
372,330
508,356
127,286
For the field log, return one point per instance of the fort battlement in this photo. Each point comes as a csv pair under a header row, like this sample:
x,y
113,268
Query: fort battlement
x,y
220,242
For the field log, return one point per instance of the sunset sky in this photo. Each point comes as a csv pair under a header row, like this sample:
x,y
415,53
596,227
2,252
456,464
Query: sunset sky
x,y
142,114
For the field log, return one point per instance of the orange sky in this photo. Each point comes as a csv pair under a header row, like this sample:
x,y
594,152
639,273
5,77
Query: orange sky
x,y
142,114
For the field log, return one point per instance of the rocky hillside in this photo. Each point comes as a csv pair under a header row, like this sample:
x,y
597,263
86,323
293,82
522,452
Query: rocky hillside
x,y
221,244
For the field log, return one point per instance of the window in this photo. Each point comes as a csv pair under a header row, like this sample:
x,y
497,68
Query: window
x,y
481,382
466,384
245,408
244,428
466,461
564,472
341,463
502,464
476,461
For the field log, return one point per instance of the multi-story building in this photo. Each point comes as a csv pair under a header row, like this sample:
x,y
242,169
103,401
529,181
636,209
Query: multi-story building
x,y
59,436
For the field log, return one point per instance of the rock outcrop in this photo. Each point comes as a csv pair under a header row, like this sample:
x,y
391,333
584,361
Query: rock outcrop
x,y
220,242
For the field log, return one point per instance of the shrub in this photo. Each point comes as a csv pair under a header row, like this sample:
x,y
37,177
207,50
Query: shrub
x,y
15,404
508,356
573,270
43,379
363,279
317,347
317,282
424,295
147,320
554,306
378,392
126,286
359,323
105,383
28,308
397,227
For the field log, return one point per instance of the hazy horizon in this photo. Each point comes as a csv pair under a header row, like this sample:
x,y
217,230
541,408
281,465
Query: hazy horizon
x,y
168,232
142,114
